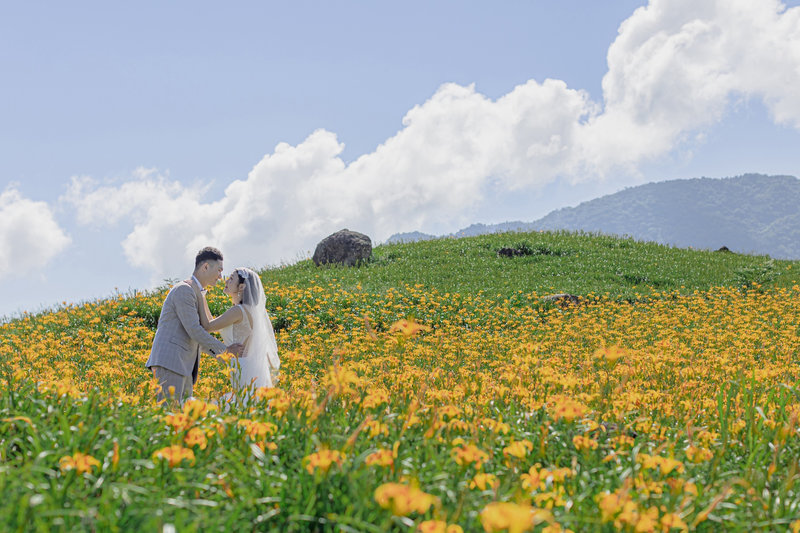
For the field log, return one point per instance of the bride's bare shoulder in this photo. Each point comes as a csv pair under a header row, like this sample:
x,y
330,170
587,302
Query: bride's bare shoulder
x,y
235,314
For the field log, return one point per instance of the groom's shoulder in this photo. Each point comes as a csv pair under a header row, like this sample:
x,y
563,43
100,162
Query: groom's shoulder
x,y
180,287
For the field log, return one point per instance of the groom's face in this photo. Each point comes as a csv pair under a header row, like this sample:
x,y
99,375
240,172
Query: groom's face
x,y
211,272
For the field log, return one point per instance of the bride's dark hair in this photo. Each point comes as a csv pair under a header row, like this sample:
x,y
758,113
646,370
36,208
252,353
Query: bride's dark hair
x,y
247,297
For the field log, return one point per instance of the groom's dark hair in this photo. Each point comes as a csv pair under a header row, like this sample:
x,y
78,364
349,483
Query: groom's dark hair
x,y
209,253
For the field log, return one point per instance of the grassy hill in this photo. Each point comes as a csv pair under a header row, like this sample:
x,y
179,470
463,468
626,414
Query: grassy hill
x,y
667,401
580,263
577,263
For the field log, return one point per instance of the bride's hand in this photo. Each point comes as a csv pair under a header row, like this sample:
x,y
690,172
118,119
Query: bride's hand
x,y
237,350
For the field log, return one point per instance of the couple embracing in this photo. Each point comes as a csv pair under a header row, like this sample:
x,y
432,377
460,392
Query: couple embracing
x,y
184,326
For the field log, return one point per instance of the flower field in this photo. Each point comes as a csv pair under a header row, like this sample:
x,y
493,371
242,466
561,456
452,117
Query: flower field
x,y
417,409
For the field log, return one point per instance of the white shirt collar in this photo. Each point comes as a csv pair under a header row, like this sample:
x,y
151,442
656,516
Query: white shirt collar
x,y
198,283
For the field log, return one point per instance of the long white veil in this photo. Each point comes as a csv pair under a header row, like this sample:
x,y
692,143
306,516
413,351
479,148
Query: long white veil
x,y
261,346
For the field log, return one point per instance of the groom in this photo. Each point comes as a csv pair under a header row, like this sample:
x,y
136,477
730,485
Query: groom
x,y
175,356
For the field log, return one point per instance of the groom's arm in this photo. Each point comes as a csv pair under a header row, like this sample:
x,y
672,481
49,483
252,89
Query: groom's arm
x,y
186,309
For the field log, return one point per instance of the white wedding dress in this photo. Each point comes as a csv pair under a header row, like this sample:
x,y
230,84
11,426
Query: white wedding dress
x,y
249,371
258,366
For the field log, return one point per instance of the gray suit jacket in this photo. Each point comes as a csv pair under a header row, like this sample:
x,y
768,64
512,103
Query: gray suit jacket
x,y
179,335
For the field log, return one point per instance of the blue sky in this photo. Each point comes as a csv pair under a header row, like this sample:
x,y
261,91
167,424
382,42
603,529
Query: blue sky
x,y
130,134
205,91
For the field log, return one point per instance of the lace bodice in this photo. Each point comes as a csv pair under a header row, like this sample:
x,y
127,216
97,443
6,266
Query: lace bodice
x,y
252,369
238,332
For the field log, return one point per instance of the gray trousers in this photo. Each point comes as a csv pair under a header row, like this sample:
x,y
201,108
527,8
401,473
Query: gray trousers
x,y
182,385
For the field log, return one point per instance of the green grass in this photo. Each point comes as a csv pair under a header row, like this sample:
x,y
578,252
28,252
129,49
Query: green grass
x,y
580,264
273,490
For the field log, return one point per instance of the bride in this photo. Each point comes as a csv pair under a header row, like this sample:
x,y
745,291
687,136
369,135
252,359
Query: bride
x,y
248,323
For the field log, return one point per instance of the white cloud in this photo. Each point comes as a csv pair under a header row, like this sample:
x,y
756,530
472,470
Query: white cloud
x,y
674,70
676,66
29,235
109,204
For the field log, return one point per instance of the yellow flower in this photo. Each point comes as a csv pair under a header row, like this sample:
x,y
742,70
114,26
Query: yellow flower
x,y
550,499
216,429
560,474
467,454
698,454
647,521
609,355
519,449
534,480
66,387
377,428
611,503
195,409
664,464
568,409
556,528
279,405
342,381
496,426
673,521
115,455
449,411
514,518
629,515
438,526
174,454
323,460
179,421
380,458
484,481
256,430
266,445
196,437
81,463
375,399
584,443
402,500
408,328
268,393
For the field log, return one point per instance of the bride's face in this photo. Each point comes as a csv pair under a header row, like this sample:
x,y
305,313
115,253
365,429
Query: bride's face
x,y
232,284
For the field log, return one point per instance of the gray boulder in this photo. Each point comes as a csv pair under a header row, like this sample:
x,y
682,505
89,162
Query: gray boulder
x,y
343,247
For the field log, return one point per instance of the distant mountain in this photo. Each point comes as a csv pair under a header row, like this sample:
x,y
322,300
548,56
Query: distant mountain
x,y
754,214
411,236
470,231
748,214
482,229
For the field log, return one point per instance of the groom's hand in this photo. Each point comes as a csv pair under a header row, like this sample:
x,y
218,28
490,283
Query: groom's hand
x,y
236,349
